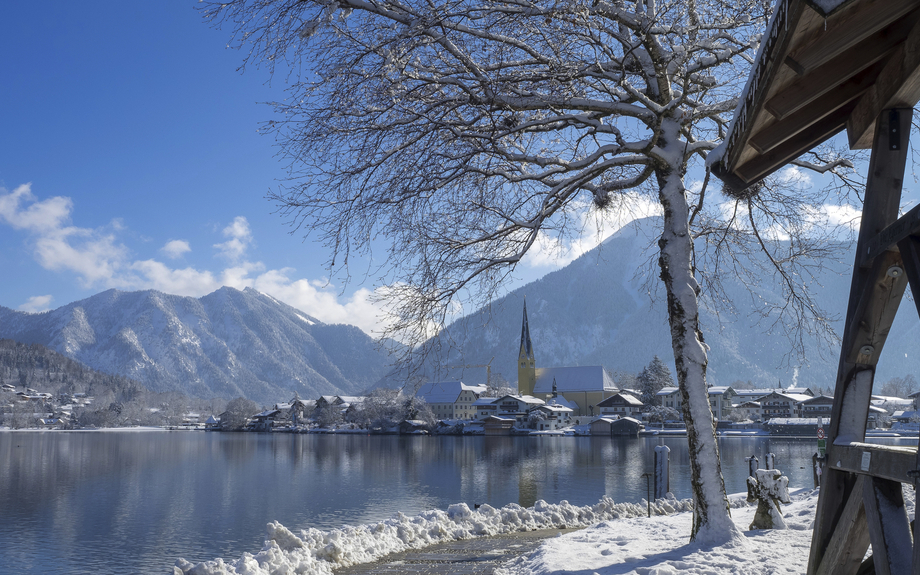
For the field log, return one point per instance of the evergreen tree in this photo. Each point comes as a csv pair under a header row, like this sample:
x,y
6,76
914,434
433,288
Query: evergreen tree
x,y
652,379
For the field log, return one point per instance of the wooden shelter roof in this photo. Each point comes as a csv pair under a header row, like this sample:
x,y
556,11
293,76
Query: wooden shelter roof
x,y
824,66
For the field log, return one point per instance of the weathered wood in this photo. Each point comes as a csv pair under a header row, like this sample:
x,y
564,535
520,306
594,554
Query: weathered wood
x,y
854,381
910,257
883,461
844,66
765,164
897,86
847,30
906,225
778,132
850,538
889,527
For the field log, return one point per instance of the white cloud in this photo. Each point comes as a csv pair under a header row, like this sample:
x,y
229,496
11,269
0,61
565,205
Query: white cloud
x,y
240,236
175,249
37,304
100,260
554,252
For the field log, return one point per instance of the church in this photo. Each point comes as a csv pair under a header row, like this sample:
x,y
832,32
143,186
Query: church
x,y
580,388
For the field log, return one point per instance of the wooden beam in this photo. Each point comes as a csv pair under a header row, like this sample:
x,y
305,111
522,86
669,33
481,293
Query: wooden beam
x,y
889,528
854,381
850,539
898,86
884,461
780,131
765,164
826,78
906,225
910,256
847,30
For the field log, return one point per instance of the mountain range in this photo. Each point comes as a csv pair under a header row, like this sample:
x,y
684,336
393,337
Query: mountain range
x,y
226,344
608,308
605,308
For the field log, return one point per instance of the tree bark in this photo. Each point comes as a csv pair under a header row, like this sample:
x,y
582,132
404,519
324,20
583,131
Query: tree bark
x,y
711,516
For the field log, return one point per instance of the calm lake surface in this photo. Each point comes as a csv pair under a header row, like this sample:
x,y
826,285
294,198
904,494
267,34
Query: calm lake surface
x,y
135,501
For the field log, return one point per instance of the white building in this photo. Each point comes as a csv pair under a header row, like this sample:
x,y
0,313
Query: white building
x,y
451,399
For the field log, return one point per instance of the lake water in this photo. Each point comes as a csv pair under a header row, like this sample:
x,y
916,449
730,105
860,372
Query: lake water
x,y
135,501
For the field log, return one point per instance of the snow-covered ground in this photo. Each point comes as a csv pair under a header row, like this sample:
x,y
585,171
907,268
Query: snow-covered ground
x,y
619,540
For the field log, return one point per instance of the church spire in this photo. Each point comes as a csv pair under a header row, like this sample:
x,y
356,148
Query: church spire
x,y
526,345
527,364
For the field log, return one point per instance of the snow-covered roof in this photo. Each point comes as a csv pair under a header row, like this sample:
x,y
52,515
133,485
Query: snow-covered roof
x,y
485,401
720,389
446,391
667,391
568,379
555,408
563,402
528,399
627,398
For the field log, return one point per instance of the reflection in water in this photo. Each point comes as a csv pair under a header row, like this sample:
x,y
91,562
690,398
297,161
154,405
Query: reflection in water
x,y
134,502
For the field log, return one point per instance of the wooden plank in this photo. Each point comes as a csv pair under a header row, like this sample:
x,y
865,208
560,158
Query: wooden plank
x,y
847,30
883,461
778,132
765,164
906,225
898,86
889,527
826,78
850,538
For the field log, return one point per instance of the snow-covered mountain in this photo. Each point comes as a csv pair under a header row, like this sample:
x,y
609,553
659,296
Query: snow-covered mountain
x,y
608,308
226,344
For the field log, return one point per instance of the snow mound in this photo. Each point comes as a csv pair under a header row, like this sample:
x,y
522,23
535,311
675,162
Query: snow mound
x,y
319,552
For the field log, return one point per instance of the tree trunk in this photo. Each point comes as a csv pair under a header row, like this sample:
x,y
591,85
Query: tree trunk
x,y
711,517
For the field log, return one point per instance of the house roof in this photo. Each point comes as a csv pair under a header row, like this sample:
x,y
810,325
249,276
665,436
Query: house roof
x,y
627,398
667,390
528,399
823,66
446,391
720,389
569,379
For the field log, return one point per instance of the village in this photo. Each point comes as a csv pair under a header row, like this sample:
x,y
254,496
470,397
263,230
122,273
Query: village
x,y
582,400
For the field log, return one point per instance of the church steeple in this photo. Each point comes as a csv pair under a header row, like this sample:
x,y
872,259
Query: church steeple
x,y
527,377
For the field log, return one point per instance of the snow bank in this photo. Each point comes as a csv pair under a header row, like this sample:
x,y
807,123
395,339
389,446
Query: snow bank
x,y
315,551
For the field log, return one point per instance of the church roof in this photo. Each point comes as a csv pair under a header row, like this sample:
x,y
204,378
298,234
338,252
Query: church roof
x,y
568,379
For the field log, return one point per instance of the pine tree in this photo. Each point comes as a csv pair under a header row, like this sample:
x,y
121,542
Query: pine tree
x,y
652,379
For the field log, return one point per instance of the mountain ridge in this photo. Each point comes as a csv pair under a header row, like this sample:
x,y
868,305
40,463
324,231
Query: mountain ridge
x,y
228,343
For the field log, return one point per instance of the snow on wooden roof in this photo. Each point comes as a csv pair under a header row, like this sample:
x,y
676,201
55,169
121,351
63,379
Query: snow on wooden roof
x,y
823,66
569,379
667,391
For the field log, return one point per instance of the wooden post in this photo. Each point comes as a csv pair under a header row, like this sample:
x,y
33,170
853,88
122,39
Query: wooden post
x,y
662,471
874,299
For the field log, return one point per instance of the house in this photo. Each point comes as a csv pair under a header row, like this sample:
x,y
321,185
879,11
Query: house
x,y
820,406
551,416
721,401
750,410
516,407
781,405
495,425
451,399
602,426
626,427
485,407
622,404
669,397
212,424
265,420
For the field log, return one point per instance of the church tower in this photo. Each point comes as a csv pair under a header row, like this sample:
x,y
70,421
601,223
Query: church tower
x,y
527,365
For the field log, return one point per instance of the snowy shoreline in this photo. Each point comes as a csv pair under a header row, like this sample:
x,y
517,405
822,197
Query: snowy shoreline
x,y
315,551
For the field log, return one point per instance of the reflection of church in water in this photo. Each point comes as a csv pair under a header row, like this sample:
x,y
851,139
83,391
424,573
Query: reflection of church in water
x,y
580,388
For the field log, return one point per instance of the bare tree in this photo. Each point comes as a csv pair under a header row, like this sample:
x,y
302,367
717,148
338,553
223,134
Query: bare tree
x,y
464,131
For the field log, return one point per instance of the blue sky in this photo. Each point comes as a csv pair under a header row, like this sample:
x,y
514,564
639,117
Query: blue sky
x,y
131,159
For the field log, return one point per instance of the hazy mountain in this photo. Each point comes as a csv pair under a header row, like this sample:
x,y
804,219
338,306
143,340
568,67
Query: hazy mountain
x,y
226,344
608,308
